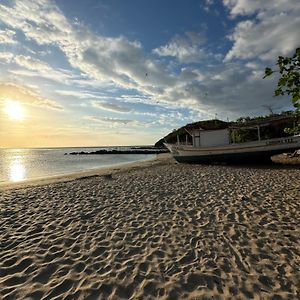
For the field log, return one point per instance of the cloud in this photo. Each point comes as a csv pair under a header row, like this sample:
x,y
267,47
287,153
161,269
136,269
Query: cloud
x,y
40,20
41,68
105,102
6,56
124,63
7,37
208,4
118,62
78,94
236,89
110,107
248,7
273,31
113,121
32,64
27,96
33,67
186,48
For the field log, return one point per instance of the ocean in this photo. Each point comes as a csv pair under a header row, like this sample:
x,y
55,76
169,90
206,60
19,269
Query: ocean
x,y
23,164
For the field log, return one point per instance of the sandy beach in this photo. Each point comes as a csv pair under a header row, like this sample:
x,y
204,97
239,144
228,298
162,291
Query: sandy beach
x,y
153,230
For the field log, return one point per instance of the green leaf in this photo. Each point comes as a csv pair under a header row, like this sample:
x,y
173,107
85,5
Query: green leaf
x,y
278,92
268,72
289,82
295,99
282,81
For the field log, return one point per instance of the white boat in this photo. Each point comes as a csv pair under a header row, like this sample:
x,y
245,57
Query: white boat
x,y
216,146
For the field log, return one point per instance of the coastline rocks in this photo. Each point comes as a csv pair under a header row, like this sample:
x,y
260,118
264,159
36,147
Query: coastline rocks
x,y
133,150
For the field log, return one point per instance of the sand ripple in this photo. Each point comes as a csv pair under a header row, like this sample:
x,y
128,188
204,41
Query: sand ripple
x,y
169,232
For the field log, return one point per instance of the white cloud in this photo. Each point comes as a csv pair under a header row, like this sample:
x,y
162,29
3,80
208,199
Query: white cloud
x,y
78,94
274,30
7,37
6,56
40,20
248,7
110,107
117,60
114,121
40,68
26,95
32,64
33,67
186,48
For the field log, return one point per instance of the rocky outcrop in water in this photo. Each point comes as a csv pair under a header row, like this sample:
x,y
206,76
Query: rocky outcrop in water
x,y
133,150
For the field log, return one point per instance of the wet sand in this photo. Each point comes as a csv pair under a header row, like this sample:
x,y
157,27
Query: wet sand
x,y
156,231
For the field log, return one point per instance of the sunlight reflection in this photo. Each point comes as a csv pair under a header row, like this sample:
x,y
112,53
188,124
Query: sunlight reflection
x,y
17,171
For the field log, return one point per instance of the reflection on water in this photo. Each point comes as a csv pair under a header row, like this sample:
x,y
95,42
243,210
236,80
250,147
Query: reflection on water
x,y
23,164
17,170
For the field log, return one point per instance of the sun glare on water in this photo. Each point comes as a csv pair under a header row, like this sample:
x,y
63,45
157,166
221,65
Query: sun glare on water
x,y
14,110
17,171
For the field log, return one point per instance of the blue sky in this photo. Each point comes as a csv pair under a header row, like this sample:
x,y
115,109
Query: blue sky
x,y
115,72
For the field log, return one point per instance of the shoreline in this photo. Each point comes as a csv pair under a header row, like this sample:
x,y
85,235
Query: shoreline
x,y
118,168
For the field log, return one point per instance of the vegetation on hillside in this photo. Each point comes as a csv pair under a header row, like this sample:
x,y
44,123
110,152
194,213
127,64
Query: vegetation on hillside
x,y
183,134
242,131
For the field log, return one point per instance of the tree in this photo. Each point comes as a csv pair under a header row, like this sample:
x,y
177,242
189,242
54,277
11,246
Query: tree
x,y
289,82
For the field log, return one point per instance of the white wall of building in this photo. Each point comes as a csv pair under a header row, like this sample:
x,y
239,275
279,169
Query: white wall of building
x,y
211,138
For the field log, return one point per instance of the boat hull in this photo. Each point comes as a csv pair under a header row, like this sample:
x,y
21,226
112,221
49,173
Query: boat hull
x,y
232,158
236,153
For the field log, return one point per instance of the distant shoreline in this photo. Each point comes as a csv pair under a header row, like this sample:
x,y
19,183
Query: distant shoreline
x,y
18,165
134,150
86,173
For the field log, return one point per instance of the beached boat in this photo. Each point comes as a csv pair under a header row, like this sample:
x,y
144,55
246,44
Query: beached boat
x,y
217,146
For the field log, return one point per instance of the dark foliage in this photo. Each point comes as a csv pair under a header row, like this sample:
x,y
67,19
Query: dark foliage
x,y
289,82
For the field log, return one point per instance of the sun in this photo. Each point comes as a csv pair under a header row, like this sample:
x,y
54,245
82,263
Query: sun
x,y
14,110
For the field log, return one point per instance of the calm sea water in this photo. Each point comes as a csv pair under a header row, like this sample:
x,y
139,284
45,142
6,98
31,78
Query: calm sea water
x,y
22,164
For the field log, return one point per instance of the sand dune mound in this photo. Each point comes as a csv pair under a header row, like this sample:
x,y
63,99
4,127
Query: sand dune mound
x,y
287,158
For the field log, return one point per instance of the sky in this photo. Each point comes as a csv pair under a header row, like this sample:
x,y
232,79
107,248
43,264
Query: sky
x,y
127,72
